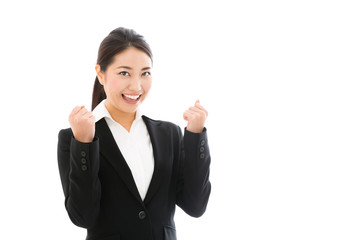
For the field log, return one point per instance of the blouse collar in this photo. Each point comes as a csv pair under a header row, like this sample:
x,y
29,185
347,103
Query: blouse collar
x,y
100,111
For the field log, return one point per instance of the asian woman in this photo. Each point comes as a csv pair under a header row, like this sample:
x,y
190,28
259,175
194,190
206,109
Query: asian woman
x,y
122,172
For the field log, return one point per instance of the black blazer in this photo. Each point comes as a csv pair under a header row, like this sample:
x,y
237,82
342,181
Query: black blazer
x,y
101,195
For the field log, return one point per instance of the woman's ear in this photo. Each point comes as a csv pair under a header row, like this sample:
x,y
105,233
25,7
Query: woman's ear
x,y
100,74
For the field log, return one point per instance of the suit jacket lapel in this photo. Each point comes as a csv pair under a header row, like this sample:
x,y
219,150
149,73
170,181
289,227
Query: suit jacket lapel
x,y
161,153
110,151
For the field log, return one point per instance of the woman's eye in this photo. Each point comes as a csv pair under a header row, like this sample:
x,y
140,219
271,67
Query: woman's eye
x,y
124,73
146,74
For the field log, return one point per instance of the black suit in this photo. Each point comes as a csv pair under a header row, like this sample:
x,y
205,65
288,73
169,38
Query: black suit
x,y
101,195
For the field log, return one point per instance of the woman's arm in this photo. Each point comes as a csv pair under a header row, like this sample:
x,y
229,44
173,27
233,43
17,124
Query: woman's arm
x,y
193,188
78,158
79,167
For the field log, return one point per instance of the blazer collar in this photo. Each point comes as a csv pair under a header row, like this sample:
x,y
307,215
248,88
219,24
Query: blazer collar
x,y
161,153
111,152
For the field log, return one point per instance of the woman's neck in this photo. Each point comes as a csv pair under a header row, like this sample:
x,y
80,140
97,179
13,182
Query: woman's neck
x,y
125,119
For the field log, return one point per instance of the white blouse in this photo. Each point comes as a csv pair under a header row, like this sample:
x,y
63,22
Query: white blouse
x,y
135,146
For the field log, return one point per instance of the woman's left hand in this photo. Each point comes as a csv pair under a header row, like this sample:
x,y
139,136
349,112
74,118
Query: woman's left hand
x,y
196,117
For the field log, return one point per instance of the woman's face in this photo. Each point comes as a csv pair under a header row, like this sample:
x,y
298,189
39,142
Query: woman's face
x,y
127,80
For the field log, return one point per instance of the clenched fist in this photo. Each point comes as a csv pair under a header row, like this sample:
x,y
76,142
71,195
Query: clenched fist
x,y
82,124
196,117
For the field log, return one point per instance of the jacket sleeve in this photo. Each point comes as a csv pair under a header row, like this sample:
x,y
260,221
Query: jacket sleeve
x,y
79,166
193,186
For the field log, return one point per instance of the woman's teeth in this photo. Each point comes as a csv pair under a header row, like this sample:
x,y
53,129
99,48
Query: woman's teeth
x,y
134,97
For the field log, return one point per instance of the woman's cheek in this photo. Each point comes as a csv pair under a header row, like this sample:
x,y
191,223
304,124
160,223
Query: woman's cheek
x,y
116,85
147,85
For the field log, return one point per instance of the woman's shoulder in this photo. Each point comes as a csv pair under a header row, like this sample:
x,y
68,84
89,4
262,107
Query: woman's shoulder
x,y
65,135
161,124
66,132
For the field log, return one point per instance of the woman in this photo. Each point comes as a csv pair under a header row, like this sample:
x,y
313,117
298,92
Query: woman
x,y
123,173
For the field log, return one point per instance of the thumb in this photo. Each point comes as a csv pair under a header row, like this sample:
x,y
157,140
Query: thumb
x,y
197,101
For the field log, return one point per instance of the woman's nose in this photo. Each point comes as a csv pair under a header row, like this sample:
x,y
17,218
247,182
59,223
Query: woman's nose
x,y
135,84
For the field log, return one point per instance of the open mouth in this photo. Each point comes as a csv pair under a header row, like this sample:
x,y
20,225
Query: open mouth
x,y
130,98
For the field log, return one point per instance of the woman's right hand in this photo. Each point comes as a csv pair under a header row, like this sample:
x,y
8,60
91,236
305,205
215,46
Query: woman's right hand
x,y
82,124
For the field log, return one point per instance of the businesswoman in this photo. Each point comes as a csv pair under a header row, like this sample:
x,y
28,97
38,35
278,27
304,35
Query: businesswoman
x,y
122,172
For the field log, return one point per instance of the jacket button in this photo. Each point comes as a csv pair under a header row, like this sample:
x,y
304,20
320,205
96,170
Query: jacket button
x,y
142,215
84,167
202,149
202,156
83,154
83,160
202,143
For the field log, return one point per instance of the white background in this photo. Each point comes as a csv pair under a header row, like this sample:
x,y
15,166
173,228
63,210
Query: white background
x,y
280,80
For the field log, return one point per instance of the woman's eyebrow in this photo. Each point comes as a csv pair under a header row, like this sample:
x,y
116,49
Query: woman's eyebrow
x,y
126,67
129,68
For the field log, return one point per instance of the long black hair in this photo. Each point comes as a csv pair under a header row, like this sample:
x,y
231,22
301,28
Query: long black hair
x,y
117,41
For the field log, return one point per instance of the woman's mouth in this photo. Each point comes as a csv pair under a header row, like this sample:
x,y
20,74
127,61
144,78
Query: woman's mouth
x,y
131,98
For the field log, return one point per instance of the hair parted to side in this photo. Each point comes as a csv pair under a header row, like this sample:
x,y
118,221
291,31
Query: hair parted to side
x,y
117,41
